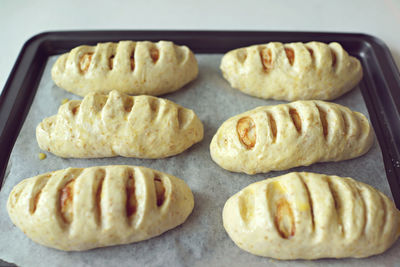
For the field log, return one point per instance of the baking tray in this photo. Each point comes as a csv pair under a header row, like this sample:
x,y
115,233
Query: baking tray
x,y
379,87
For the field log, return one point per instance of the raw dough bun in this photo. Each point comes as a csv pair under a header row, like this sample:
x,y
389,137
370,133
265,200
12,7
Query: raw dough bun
x,y
118,124
130,67
81,209
294,71
311,216
289,135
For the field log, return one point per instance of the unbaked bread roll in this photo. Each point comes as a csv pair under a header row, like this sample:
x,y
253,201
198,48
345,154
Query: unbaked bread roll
x,y
294,71
272,138
80,209
130,67
118,124
311,216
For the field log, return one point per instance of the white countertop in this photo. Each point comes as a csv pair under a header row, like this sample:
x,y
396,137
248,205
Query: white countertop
x,y
20,20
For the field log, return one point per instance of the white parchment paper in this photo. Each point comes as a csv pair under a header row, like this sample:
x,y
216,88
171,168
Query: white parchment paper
x,y
201,240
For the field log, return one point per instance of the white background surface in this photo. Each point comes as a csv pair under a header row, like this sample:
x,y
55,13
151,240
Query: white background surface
x,y
20,20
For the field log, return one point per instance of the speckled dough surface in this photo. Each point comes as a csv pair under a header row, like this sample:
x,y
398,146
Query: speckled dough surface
x,y
293,71
289,135
130,67
118,124
80,209
311,216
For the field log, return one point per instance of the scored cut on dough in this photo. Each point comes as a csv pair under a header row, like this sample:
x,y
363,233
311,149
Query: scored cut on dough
x,y
80,209
311,216
280,137
119,124
130,67
292,71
